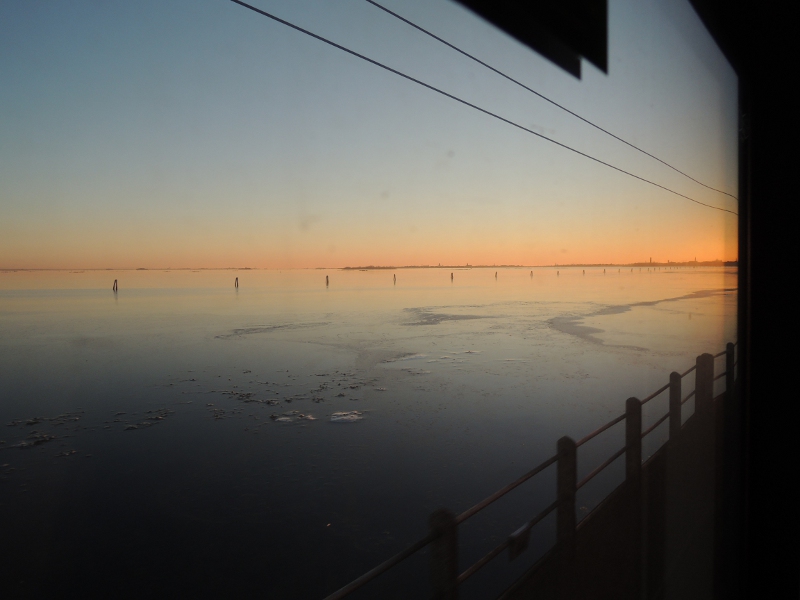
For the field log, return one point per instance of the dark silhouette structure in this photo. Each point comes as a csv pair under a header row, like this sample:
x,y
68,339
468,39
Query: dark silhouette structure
x,y
564,32
656,535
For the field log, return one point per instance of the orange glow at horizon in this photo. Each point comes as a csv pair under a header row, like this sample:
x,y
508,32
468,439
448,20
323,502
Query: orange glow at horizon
x,y
313,159
391,238
392,250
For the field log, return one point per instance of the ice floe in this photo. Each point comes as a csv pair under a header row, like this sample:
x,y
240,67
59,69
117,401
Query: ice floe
x,y
346,417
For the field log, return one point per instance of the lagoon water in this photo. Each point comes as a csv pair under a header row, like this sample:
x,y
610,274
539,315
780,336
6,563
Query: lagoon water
x,y
185,438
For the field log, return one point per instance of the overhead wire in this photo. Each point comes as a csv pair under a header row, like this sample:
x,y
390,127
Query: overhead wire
x,y
543,97
466,103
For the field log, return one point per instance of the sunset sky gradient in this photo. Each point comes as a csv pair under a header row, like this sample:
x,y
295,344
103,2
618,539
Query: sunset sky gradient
x,y
199,134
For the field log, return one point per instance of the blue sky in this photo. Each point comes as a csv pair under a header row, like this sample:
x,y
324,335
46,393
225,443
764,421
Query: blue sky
x,y
200,134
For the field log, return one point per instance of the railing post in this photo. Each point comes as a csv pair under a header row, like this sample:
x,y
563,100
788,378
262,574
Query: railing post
x,y
567,482
674,405
730,379
444,555
633,438
704,384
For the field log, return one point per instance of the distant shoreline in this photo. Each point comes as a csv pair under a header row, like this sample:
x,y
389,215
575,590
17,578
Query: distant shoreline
x,y
692,263
706,263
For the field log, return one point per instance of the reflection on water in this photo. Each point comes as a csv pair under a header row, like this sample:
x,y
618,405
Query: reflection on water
x,y
294,431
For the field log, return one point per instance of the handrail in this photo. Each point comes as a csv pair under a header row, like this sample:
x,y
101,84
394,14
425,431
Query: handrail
x,y
388,564
398,558
589,477
381,568
477,566
654,425
535,520
599,430
511,591
483,561
504,490
654,394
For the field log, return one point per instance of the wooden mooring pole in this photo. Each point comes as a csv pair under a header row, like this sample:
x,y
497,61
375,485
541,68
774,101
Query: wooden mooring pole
x,y
444,555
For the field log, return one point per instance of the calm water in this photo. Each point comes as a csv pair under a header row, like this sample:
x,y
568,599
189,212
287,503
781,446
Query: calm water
x,y
184,438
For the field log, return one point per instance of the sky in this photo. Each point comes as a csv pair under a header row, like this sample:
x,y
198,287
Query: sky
x,y
198,134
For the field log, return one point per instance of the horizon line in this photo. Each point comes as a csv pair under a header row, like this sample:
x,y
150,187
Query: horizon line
x,y
378,267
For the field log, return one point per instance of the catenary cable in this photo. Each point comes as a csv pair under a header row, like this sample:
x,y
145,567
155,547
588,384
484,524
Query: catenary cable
x,y
474,106
543,97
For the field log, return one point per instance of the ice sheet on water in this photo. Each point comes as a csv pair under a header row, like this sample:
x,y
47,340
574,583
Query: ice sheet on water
x,y
242,331
407,356
425,316
346,417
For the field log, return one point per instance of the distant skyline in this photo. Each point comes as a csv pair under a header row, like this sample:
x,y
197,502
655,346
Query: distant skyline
x,y
201,135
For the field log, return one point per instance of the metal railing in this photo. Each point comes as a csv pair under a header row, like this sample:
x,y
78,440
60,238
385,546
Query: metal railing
x,y
442,536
